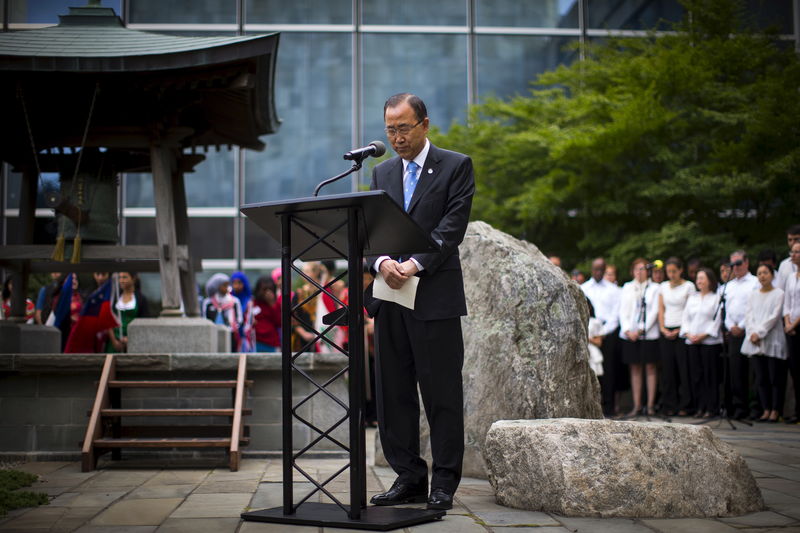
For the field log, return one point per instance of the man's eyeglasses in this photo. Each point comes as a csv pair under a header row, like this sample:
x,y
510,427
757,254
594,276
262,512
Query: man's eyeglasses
x,y
403,129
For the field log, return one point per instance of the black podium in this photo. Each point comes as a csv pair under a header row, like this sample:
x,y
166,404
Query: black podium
x,y
347,226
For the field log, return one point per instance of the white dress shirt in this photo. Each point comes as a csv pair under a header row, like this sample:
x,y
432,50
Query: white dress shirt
x,y
630,309
674,301
420,161
791,298
605,298
736,295
698,318
786,270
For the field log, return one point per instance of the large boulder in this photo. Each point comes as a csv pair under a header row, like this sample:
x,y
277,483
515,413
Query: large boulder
x,y
525,344
605,468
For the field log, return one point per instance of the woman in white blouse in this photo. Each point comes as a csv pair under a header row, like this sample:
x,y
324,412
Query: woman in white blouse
x,y
676,393
638,321
791,325
765,341
701,327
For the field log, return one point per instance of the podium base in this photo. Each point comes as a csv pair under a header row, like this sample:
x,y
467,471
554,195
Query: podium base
x,y
331,515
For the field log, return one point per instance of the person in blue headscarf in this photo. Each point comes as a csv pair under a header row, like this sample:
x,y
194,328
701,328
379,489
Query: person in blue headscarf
x,y
221,307
241,290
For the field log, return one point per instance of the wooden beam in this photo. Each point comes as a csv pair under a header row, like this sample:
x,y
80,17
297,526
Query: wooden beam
x,y
191,305
90,252
163,162
19,279
95,428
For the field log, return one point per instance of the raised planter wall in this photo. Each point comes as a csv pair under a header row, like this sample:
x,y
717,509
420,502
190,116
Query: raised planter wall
x,y
44,398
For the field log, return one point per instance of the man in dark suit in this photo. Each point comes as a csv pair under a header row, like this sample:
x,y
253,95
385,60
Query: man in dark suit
x,y
422,346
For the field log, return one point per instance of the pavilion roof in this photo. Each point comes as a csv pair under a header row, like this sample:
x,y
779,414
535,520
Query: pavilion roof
x,y
192,91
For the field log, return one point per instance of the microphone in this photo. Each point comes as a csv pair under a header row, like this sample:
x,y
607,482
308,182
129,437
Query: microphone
x,y
375,149
657,264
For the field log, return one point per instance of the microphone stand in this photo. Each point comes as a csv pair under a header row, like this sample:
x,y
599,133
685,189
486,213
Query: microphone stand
x,y
356,166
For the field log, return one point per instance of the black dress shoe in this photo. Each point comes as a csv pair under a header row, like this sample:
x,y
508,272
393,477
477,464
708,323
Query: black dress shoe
x,y
401,493
440,499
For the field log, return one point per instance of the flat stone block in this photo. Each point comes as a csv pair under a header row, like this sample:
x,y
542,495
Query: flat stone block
x,y
59,362
213,506
223,338
143,512
116,529
205,362
177,477
94,499
39,339
59,438
172,335
161,491
605,468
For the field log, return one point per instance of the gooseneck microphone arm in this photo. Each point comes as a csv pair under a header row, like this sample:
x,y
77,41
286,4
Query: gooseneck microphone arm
x,y
356,166
357,156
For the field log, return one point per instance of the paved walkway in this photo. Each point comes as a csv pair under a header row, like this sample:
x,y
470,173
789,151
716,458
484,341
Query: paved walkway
x,y
131,497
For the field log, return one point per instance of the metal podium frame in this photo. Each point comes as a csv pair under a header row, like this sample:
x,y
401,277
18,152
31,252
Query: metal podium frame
x,y
332,227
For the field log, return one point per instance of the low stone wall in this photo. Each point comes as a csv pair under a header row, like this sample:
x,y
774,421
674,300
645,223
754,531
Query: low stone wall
x,y
44,398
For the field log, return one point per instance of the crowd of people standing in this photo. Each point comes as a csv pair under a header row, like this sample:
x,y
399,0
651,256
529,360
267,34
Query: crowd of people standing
x,y
712,343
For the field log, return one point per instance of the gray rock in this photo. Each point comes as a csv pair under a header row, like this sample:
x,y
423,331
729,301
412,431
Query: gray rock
x,y
525,343
35,338
606,468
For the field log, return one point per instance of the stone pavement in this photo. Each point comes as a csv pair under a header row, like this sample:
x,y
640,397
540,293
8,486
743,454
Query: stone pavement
x,y
130,496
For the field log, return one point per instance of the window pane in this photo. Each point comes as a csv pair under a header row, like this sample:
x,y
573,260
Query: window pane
x,y
299,12
138,190
440,80
258,244
48,182
540,14
211,237
211,183
508,64
47,11
633,14
312,95
763,14
183,11
415,12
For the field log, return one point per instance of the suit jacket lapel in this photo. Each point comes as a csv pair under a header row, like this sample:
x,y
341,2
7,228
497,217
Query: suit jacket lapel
x,y
394,182
427,174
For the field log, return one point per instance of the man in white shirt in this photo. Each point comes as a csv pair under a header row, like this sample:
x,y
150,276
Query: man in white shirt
x,y
605,297
737,292
787,268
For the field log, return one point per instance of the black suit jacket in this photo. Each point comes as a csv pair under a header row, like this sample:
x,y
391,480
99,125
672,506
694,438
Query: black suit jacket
x,y
440,205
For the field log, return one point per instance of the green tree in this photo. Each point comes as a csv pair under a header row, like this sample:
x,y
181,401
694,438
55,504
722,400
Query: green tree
x,y
681,144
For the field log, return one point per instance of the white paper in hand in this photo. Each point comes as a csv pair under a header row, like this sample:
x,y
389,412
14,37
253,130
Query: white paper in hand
x,y
404,296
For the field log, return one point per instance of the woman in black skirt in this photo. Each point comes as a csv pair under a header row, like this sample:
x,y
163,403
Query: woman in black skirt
x,y
638,320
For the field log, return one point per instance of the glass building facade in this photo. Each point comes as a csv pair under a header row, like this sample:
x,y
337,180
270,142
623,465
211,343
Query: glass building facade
x,y
338,60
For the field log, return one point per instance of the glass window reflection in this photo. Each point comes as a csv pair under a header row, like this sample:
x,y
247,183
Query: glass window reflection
x,y
183,11
299,12
415,12
508,64
47,11
539,14
440,80
313,99
634,14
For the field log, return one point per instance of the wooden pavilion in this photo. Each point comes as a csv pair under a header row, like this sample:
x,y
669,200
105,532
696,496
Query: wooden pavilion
x,y
90,99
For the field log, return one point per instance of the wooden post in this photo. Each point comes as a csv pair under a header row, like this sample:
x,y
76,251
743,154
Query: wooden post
x,y
163,163
27,220
188,285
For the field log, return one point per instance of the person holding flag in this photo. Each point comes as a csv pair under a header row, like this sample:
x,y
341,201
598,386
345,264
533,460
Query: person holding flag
x,y
95,316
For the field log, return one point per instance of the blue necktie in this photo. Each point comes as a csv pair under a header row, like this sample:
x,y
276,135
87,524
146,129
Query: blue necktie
x,y
410,183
